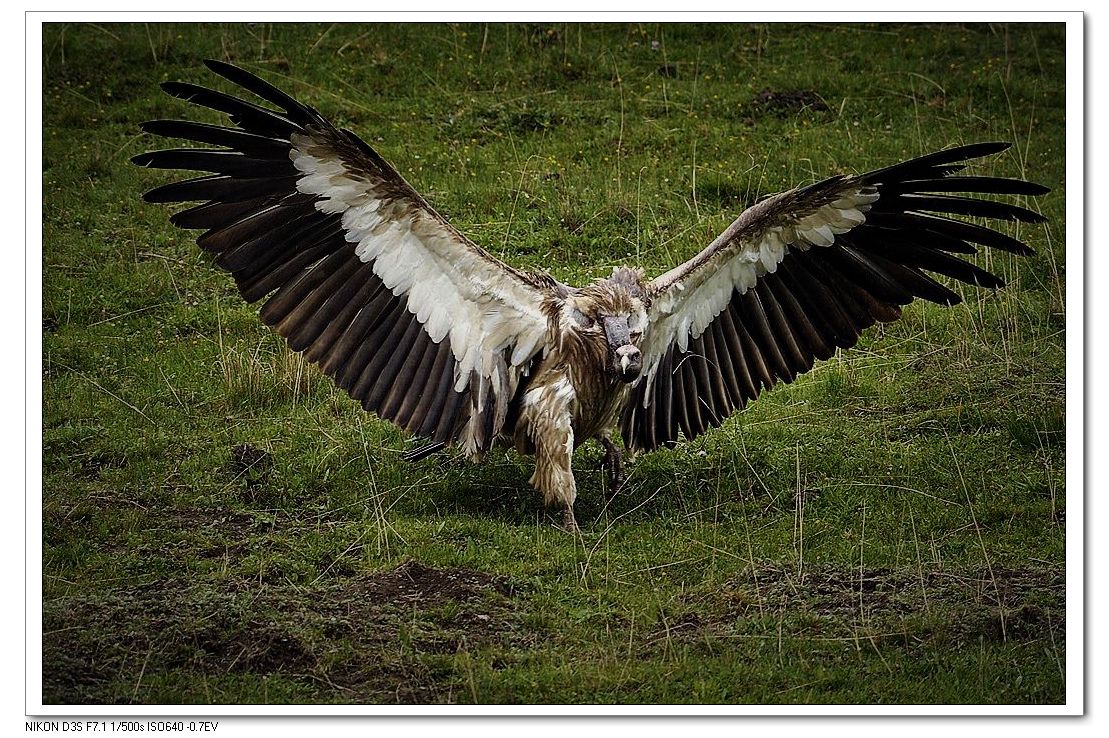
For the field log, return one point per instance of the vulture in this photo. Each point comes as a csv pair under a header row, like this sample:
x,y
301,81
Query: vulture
x,y
428,330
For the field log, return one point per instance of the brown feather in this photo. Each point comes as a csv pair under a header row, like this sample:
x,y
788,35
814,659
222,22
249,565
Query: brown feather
x,y
335,317
384,344
314,314
436,386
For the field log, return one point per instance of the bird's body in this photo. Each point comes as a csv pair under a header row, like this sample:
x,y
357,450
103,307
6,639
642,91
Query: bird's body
x,y
577,391
429,331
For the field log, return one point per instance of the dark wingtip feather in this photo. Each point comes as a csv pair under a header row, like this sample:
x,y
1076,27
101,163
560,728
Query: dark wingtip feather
x,y
216,65
181,191
959,205
943,163
978,185
961,153
164,127
263,89
991,147
423,452
180,90
970,151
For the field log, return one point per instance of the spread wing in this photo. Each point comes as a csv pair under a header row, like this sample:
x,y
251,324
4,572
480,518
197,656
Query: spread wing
x,y
804,272
359,272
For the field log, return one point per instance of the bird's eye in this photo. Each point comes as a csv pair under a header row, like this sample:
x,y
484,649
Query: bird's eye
x,y
581,319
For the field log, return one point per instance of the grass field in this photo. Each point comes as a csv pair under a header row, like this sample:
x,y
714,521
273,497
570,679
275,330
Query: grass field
x,y
222,525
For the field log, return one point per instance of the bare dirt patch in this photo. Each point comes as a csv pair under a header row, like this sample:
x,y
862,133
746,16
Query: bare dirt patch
x,y
378,637
786,102
416,582
998,604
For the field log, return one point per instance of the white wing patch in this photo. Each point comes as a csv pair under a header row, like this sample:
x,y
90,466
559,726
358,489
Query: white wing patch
x,y
688,306
453,291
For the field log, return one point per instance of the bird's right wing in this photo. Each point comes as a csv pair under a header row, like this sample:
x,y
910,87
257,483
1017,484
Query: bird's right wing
x,y
405,313
803,273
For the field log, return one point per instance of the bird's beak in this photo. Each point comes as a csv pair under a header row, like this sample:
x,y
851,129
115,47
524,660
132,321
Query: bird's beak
x,y
627,361
631,362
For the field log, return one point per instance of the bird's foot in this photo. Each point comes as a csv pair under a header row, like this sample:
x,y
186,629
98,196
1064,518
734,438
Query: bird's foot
x,y
569,522
613,465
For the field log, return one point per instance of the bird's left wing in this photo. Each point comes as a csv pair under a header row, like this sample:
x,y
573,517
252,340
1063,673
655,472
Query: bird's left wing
x,y
405,313
802,273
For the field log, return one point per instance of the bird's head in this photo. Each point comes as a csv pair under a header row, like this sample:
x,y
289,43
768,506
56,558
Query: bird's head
x,y
605,322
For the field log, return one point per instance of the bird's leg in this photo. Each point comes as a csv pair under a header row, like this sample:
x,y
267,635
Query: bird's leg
x,y
613,464
554,477
569,522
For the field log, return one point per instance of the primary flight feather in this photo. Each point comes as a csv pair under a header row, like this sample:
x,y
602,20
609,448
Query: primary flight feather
x,y
428,330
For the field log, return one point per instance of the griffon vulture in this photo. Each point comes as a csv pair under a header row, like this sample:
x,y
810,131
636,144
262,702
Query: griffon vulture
x,y
426,329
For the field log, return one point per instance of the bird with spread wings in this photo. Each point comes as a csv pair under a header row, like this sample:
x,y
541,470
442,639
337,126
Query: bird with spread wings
x,y
428,330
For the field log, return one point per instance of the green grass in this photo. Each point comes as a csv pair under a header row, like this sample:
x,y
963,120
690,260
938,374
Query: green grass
x,y
889,528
